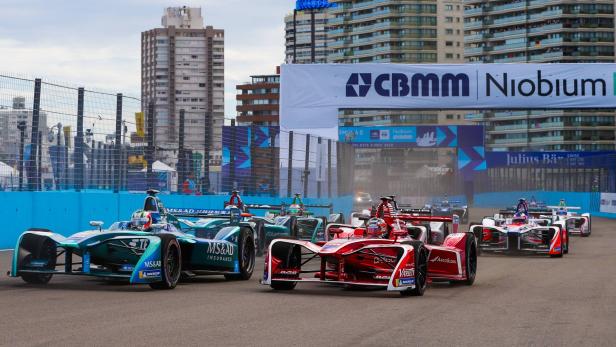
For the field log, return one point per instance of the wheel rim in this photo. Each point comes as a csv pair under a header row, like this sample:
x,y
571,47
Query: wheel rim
x,y
421,268
173,263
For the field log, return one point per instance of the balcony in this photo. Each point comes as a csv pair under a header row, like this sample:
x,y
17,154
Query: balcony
x,y
473,11
510,33
510,127
473,25
510,46
507,7
508,141
546,14
546,56
505,60
540,139
510,114
543,29
510,20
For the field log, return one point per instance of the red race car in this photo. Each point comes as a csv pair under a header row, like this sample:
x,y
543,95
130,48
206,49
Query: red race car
x,y
391,252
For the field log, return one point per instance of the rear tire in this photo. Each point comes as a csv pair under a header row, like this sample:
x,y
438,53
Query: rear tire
x,y
283,285
171,263
478,236
420,255
560,254
260,242
246,255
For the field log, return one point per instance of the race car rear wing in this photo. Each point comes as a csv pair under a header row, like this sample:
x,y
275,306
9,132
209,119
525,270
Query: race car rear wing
x,y
200,213
417,211
280,207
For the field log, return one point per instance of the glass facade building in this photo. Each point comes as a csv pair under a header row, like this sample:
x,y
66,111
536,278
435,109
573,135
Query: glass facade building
x,y
542,31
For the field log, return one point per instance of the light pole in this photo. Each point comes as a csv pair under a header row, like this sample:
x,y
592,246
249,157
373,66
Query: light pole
x,y
21,126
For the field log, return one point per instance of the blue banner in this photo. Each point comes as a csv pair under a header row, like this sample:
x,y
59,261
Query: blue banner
x,y
604,159
401,136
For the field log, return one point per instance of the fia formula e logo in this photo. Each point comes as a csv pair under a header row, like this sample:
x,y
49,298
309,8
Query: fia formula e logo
x,y
357,88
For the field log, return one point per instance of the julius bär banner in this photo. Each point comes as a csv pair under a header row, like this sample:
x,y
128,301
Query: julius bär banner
x,y
312,94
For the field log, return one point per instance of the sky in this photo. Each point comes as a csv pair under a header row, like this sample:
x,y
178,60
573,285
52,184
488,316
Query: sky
x,y
96,43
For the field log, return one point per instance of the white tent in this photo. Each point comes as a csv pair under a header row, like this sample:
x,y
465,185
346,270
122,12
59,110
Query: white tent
x,y
8,171
159,166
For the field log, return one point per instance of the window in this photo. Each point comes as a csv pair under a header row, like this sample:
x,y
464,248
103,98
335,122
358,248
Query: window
x,y
186,78
448,7
449,43
449,31
449,55
202,85
450,116
448,19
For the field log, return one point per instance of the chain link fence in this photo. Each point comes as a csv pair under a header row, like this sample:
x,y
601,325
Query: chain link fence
x,y
59,137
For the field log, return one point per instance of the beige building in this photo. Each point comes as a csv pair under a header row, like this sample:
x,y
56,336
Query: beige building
x,y
182,67
298,37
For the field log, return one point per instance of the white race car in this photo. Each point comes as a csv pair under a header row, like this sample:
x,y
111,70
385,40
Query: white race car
x,y
520,234
575,223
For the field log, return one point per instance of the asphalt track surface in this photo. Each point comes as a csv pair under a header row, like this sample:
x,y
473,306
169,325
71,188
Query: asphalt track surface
x,y
534,301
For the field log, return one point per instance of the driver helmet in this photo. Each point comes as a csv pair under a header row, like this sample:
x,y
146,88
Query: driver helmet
x,y
137,217
294,209
376,228
520,218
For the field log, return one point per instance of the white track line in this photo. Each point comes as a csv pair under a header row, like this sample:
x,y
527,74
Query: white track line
x,y
5,250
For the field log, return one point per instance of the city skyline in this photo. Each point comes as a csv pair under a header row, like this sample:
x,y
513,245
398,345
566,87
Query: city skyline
x,y
100,41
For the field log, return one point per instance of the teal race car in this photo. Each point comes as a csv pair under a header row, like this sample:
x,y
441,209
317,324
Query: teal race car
x,y
155,247
285,221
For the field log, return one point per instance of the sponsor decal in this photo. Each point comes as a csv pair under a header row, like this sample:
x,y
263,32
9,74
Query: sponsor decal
x,y
127,267
443,260
384,259
407,272
402,85
406,281
139,244
152,264
149,274
220,248
288,272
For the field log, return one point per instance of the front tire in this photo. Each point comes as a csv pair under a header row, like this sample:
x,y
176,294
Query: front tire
x,y
420,255
45,249
171,263
471,259
246,257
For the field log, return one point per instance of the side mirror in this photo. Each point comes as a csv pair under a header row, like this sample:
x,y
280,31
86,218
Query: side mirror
x,y
97,224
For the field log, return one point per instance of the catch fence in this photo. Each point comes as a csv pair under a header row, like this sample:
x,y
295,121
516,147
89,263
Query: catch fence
x,y
54,136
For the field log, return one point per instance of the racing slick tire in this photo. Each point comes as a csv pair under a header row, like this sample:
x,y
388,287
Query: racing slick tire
x,y
292,259
246,256
171,263
566,245
562,248
478,236
470,251
260,242
421,269
44,248
589,229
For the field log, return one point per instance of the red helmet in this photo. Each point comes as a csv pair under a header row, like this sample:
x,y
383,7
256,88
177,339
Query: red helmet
x,y
376,228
